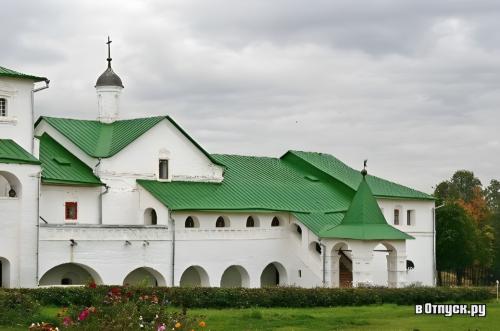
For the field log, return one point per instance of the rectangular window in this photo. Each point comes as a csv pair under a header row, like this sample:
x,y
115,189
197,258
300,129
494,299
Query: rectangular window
x,y
396,216
410,217
163,169
71,210
3,107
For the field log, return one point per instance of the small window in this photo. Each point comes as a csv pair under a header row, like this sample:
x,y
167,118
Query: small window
x,y
3,107
410,265
275,222
299,230
71,210
410,217
396,216
189,222
220,223
66,281
163,173
154,217
318,248
250,222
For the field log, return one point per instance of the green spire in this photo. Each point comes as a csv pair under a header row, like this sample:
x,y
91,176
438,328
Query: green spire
x,y
364,219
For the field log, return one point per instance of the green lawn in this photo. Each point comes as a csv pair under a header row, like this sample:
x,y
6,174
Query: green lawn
x,y
382,317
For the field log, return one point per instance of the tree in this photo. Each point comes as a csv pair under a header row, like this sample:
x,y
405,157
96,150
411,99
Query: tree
x,y
461,186
455,239
492,193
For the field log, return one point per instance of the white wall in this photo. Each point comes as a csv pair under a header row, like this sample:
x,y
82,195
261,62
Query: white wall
x,y
18,216
19,121
54,197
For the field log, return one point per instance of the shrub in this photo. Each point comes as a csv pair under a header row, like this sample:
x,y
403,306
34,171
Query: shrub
x,y
14,307
266,297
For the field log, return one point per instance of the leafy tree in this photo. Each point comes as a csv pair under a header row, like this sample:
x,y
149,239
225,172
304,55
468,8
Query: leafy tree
x,y
461,186
456,236
493,196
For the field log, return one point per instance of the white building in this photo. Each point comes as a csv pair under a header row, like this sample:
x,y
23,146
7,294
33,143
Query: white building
x,y
121,201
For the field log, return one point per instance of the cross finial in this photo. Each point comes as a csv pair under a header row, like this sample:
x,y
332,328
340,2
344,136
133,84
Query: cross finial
x,y
109,52
364,172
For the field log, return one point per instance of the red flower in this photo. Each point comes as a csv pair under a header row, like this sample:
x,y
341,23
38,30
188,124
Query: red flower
x,y
92,285
115,291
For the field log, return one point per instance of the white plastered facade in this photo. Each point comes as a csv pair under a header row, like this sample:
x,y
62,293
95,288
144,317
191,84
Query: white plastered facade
x,y
111,242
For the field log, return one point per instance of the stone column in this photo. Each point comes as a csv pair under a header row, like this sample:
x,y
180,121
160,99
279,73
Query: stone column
x,y
362,268
332,270
396,269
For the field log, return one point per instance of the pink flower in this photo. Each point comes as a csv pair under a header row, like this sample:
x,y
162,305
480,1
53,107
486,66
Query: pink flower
x,y
162,327
83,315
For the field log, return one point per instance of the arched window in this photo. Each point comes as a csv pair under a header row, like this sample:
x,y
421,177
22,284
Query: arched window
x,y
250,222
220,223
150,217
410,265
318,248
189,222
3,107
275,222
299,230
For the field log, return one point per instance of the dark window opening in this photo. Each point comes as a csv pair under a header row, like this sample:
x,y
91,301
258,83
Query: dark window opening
x,y
250,222
66,281
396,216
154,217
220,223
410,265
189,222
163,174
275,222
409,217
71,210
3,107
318,248
299,230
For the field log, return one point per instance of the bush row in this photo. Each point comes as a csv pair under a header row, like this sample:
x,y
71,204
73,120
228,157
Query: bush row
x,y
265,297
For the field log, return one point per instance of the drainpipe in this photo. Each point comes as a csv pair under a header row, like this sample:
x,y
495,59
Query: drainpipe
x,y
173,248
106,190
33,113
434,242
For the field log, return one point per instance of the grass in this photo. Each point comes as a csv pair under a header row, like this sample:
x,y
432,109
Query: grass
x,y
377,317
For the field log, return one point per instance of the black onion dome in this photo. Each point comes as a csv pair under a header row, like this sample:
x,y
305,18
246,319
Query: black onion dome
x,y
109,78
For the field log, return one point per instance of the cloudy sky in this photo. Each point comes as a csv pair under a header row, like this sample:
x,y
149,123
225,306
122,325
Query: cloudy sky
x,y
413,86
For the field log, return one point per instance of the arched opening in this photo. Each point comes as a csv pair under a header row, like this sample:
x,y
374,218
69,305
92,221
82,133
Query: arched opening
x,y
274,274
191,222
70,274
275,221
252,222
315,249
341,265
194,276
297,231
144,276
221,222
10,186
383,255
4,272
235,276
150,217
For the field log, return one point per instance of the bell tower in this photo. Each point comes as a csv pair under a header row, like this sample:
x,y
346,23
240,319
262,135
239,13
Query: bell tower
x,y
108,87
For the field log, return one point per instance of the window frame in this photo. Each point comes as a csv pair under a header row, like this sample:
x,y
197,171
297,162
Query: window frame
x,y
397,216
191,225
275,218
250,222
220,218
160,161
68,205
5,107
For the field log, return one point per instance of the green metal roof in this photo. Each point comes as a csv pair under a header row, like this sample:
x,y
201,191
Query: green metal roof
x,y
61,167
254,183
4,72
103,140
11,152
285,184
340,171
364,220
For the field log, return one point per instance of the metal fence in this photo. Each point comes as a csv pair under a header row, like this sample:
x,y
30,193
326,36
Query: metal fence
x,y
472,276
